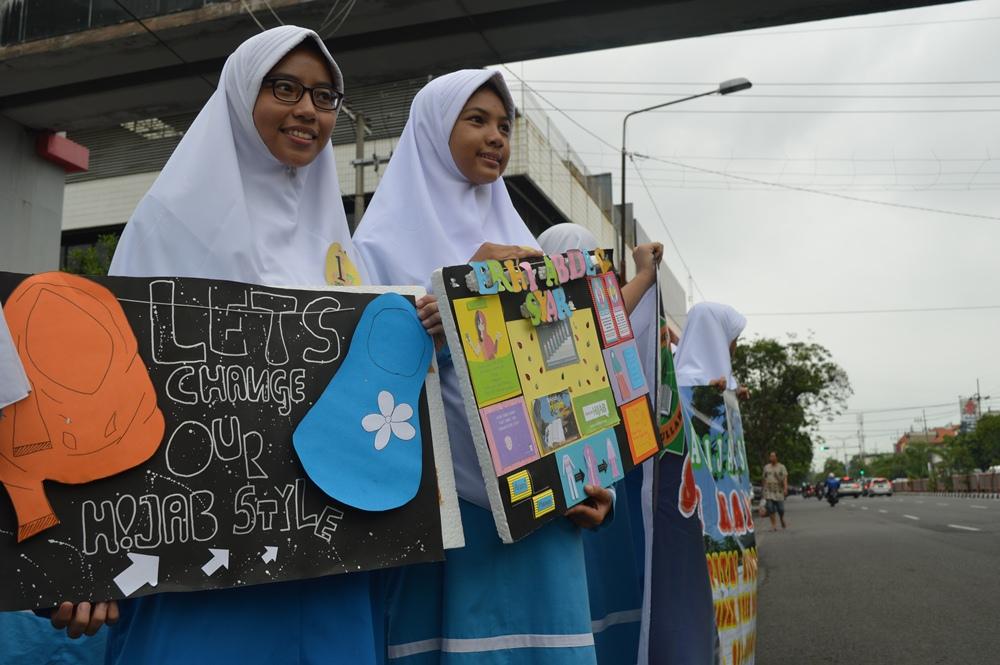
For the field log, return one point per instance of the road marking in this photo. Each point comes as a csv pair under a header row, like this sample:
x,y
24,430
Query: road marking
x,y
864,507
882,511
911,517
963,528
919,501
944,504
979,507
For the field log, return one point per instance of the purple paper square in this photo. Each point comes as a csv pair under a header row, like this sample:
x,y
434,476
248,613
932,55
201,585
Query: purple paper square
x,y
509,433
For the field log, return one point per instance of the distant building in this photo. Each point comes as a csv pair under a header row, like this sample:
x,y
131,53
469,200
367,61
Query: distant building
x,y
935,436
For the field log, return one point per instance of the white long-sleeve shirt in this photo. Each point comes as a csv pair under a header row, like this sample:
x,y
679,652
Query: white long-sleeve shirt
x,y
14,384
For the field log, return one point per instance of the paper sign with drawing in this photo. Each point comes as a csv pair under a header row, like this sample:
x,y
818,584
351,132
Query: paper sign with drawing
x,y
187,434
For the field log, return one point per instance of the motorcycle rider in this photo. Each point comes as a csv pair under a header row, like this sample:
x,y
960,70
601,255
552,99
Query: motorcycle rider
x,y
832,487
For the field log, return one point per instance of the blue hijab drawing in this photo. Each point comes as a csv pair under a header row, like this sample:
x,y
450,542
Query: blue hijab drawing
x,y
361,442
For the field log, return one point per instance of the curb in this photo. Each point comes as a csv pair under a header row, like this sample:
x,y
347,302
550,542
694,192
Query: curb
x,y
956,495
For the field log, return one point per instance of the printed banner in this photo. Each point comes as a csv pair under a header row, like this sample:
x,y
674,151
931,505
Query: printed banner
x,y
557,397
187,434
715,485
668,407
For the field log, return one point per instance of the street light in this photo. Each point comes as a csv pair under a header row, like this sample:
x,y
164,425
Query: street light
x,y
725,88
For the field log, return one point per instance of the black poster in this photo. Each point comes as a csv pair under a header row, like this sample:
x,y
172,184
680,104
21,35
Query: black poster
x,y
155,451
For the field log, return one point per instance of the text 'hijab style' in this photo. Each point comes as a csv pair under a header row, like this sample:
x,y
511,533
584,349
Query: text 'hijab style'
x,y
425,213
224,207
703,354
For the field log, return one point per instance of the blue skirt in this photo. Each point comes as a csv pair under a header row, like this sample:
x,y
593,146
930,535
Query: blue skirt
x,y
325,620
26,639
495,604
615,556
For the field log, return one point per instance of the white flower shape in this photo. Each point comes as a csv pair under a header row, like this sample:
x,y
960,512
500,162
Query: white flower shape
x,y
390,420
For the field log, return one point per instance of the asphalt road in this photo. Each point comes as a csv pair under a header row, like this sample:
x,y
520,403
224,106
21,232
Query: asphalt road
x,y
908,579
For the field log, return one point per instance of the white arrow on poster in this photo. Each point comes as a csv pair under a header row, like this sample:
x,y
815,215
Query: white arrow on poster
x,y
220,559
270,554
143,571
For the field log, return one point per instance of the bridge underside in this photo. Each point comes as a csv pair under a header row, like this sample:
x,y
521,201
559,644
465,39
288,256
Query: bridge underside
x,y
120,72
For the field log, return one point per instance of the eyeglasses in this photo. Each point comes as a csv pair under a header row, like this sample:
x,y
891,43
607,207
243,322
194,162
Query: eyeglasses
x,y
324,97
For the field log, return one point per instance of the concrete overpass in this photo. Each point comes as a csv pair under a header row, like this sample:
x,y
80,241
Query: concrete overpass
x,y
111,69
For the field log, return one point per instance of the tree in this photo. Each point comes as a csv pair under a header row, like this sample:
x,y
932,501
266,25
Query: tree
x,y
834,466
889,466
93,259
985,445
958,453
793,386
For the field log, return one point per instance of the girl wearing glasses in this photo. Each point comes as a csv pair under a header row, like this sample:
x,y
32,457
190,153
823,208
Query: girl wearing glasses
x,y
250,194
442,202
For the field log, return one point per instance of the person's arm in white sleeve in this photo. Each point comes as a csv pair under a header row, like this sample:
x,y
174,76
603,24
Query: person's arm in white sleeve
x,y
14,384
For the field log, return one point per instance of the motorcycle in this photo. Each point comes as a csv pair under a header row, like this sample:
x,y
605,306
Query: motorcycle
x,y
831,496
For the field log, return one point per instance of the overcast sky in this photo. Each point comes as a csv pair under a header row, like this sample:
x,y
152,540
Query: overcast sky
x,y
765,249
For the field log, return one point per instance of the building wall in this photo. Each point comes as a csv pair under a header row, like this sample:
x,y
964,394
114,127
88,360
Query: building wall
x,y
103,202
31,203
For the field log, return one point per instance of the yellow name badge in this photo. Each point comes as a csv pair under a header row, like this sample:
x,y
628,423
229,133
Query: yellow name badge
x,y
340,270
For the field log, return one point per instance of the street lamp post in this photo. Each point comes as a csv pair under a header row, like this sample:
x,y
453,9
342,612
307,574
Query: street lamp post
x,y
725,88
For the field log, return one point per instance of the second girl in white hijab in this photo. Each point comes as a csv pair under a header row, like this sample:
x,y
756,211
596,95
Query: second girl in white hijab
x,y
442,202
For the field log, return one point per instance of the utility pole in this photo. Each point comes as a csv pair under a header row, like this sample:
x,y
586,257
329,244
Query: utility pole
x,y
930,455
979,402
861,435
359,170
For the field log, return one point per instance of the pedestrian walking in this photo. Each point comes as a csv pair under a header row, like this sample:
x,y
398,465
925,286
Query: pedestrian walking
x,y
775,484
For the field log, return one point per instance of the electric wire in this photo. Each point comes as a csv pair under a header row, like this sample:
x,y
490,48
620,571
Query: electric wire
x,y
899,310
253,16
775,111
752,95
663,224
766,83
157,38
807,190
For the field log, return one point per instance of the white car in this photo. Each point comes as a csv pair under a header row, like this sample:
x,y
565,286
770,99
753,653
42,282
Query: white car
x,y
849,488
880,487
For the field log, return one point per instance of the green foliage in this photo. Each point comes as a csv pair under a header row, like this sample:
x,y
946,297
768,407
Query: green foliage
x,y
94,259
793,386
834,466
984,445
887,466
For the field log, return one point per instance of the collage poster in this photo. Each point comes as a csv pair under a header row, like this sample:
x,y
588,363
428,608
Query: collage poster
x,y
556,394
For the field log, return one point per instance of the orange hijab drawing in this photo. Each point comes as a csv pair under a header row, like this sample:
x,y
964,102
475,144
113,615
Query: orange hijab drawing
x,y
92,410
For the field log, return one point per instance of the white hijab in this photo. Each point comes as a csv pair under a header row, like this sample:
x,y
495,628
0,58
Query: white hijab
x,y
703,354
224,207
13,382
566,236
425,213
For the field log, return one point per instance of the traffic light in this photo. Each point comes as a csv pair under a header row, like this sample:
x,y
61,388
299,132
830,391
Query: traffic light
x,y
862,472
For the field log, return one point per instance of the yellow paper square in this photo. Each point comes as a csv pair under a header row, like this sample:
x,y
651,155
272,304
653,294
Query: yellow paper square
x,y
580,378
